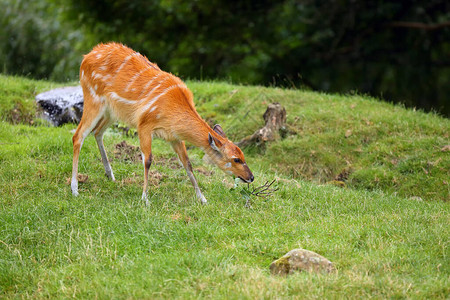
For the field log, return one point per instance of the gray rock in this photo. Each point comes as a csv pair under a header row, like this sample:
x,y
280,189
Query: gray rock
x,y
62,105
301,260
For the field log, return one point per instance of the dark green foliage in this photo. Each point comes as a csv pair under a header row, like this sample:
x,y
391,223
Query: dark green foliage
x,y
379,47
389,49
35,42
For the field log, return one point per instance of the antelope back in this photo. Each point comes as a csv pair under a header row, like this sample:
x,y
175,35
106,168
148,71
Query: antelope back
x,y
131,86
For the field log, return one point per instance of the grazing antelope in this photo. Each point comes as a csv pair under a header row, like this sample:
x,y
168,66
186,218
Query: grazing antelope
x,y
119,83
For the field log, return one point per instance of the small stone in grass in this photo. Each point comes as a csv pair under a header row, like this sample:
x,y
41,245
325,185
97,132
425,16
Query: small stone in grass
x,y
301,260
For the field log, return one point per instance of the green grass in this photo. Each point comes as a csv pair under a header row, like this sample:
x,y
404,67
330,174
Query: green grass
x,y
17,104
107,244
389,148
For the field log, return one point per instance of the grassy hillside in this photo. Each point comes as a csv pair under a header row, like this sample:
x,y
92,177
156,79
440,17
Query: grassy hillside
x,y
354,139
384,241
349,141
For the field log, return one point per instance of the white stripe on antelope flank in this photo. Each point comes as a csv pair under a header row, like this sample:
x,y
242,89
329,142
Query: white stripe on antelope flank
x,y
105,79
150,82
149,104
96,75
107,57
124,63
133,79
116,97
156,87
94,94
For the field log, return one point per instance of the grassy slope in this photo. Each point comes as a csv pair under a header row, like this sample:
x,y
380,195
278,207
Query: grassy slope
x,y
17,94
361,142
105,243
388,147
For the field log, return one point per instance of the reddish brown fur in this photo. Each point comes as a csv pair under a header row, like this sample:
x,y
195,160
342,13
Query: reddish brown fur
x,y
119,83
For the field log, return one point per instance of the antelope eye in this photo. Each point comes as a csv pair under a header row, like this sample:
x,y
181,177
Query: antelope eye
x,y
237,160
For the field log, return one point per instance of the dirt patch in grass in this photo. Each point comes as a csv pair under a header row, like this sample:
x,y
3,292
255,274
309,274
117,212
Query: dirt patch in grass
x,y
80,177
343,175
154,178
126,152
204,171
179,217
169,162
130,153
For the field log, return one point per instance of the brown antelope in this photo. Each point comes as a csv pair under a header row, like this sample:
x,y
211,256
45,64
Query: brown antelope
x,y
119,83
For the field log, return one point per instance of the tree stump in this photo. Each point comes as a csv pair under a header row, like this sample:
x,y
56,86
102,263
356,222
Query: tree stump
x,y
275,118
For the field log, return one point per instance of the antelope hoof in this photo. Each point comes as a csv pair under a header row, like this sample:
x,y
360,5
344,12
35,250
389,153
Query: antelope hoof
x,y
203,200
74,188
144,197
110,176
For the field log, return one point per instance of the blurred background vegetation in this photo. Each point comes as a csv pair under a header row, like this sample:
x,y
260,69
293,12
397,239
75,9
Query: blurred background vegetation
x,y
393,50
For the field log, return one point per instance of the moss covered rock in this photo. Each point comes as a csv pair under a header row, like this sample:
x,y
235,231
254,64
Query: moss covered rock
x,y
301,260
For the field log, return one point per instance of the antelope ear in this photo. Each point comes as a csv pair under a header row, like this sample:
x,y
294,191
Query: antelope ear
x,y
218,129
214,143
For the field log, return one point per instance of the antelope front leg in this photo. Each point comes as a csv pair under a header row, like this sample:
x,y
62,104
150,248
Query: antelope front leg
x,y
145,139
99,131
180,149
